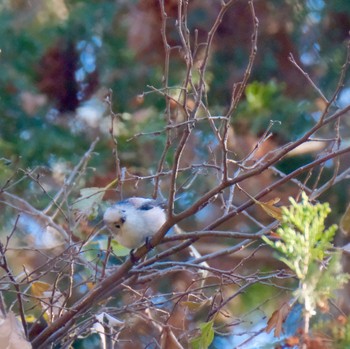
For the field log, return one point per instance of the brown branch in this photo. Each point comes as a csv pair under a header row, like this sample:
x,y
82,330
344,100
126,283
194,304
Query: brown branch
x,y
167,99
118,276
127,275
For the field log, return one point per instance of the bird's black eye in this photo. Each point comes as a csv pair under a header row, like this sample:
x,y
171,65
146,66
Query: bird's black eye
x,y
117,225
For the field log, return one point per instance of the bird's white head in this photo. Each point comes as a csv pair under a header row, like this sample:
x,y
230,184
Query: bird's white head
x,y
131,221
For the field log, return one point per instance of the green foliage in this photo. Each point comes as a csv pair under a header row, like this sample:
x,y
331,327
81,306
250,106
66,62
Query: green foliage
x,y
320,283
341,334
337,331
267,101
89,201
119,250
256,294
206,336
28,33
259,96
304,246
304,239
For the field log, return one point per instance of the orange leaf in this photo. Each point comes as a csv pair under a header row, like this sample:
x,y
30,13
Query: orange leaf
x,y
268,206
292,341
270,209
274,235
39,287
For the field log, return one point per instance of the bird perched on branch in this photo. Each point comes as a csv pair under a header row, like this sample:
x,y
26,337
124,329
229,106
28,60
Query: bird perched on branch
x,y
134,220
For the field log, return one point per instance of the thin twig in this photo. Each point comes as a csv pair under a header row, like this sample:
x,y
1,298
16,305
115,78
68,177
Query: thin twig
x,y
72,177
308,78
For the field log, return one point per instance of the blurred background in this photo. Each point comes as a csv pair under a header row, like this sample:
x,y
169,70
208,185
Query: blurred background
x,y
61,59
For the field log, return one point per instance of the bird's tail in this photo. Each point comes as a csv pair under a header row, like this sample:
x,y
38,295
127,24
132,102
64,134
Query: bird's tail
x,y
195,254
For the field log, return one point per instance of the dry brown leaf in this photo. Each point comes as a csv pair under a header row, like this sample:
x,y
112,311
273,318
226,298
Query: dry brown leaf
x,y
270,209
168,340
268,206
12,334
277,318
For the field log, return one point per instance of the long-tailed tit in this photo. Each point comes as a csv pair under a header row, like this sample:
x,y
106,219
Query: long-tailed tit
x,y
134,220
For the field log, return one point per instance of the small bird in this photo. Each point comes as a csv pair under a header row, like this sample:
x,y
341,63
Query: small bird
x,y
134,220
